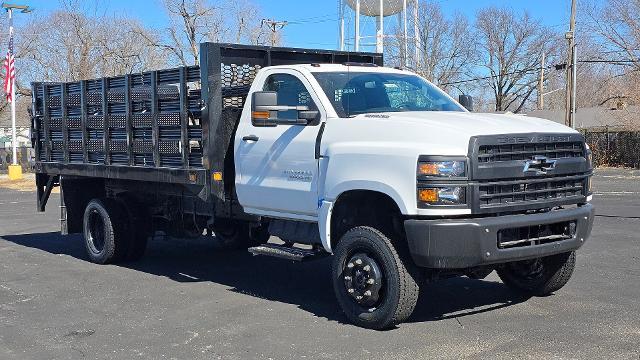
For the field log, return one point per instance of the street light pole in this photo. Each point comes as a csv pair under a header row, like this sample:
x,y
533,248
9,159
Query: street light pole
x,y
15,170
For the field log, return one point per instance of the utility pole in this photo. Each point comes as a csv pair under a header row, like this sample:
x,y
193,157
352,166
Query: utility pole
x,y
541,85
274,26
571,37
15,169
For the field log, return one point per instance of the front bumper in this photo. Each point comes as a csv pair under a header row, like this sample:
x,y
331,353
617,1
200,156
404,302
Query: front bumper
x,y
465,243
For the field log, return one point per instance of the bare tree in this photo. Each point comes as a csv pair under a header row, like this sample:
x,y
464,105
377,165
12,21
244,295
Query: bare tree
x,y
614,27
192,22
618,24
85,46
512,46
446,46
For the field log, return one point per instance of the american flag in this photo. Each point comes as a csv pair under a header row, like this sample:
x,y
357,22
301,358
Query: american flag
x,y
9,69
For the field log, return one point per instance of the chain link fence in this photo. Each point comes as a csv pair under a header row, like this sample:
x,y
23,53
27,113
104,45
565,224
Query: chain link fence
x,y
614,146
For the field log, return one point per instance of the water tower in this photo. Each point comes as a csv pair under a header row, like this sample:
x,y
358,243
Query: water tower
x,y
368,20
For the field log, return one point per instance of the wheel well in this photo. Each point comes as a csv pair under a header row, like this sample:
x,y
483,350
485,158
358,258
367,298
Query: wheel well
x,y
77,194
365,207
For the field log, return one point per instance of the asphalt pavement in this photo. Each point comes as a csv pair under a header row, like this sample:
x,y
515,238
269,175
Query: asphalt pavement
x,y
187,300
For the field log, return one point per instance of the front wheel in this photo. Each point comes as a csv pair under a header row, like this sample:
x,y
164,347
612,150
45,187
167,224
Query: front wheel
x,y
539,277
375,282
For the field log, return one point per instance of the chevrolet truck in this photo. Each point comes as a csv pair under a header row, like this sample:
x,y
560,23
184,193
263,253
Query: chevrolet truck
x,y
328,151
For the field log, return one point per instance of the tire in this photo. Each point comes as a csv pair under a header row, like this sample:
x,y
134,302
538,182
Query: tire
x,y
392,279
105,231
539,277
240,236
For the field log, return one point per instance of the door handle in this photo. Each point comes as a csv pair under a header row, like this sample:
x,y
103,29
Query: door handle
x,y
250,138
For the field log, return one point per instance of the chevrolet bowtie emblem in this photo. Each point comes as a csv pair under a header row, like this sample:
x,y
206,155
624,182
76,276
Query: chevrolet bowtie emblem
x,y
539,165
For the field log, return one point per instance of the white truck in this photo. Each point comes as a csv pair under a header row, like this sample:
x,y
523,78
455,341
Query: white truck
x,y
331,153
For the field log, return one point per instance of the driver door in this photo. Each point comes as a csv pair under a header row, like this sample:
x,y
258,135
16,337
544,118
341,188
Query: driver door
x,y
276,167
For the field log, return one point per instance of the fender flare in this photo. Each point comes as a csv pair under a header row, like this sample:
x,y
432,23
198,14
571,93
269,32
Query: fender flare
x,y
325,211
324,224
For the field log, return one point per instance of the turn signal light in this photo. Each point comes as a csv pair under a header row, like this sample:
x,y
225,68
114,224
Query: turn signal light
x,y
217,176
428,195
263,115
428,169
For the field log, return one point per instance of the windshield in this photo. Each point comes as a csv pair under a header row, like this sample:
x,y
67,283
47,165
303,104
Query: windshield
x,y
353,93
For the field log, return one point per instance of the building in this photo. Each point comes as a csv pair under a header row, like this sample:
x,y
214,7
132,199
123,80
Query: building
x,y
22,123
627,117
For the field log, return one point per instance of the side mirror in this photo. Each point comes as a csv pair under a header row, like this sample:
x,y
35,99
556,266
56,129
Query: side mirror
x,y
265,108
261,102
466,101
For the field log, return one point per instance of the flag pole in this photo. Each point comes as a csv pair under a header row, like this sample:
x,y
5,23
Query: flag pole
x,y
14,138
15,169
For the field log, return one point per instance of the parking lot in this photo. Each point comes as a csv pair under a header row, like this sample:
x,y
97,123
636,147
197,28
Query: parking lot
x,y
186,300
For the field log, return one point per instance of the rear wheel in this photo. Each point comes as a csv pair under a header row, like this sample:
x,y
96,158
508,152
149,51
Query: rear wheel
x,y
105,231
540,276
375,282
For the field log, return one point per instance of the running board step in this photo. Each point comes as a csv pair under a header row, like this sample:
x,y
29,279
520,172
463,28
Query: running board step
x,y
287,252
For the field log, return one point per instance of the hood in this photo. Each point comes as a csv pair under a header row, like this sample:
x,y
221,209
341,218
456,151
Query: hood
x,y
440,133
474,124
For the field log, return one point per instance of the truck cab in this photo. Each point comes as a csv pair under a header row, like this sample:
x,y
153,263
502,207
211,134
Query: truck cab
x,y
338,148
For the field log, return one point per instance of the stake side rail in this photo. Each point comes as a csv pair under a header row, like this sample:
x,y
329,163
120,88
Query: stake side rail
x,y
173,125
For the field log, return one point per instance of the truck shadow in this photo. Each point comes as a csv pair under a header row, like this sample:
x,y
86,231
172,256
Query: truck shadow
x,y
306,285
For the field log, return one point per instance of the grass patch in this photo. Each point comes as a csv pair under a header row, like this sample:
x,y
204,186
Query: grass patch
x,y
26,184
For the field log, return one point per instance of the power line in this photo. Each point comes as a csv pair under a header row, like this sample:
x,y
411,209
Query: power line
x,y
274,26
531,70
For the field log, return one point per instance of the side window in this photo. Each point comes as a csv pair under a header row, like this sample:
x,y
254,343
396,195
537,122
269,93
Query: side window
x,y
291,92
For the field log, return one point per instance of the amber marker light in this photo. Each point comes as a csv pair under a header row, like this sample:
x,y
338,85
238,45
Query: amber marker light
x,y
430,169
428,195
263,115
217,176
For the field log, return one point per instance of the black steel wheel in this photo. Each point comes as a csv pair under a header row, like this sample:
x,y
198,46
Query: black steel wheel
x,y
375,281
539,277
363,279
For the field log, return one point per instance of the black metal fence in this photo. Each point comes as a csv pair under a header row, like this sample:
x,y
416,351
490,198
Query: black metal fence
x,y
614,147
25,158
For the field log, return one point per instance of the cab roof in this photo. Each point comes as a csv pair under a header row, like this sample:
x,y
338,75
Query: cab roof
x,y
314,68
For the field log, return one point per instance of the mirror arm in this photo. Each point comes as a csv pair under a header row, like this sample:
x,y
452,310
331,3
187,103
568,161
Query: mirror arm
x,y
292,122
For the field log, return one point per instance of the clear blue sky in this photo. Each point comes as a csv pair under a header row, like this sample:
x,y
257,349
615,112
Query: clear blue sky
x,y
320,27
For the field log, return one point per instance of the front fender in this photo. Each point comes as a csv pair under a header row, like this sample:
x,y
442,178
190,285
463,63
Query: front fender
x,y
383,169
376,186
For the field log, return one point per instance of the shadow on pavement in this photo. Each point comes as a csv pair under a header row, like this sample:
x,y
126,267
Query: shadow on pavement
x,y
306,285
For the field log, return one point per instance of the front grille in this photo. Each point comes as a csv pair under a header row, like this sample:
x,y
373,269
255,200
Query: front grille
x,y
511,152
530,191
536,234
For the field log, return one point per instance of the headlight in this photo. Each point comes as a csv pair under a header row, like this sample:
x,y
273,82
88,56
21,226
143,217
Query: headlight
x,y
443,195
589,159
443,169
